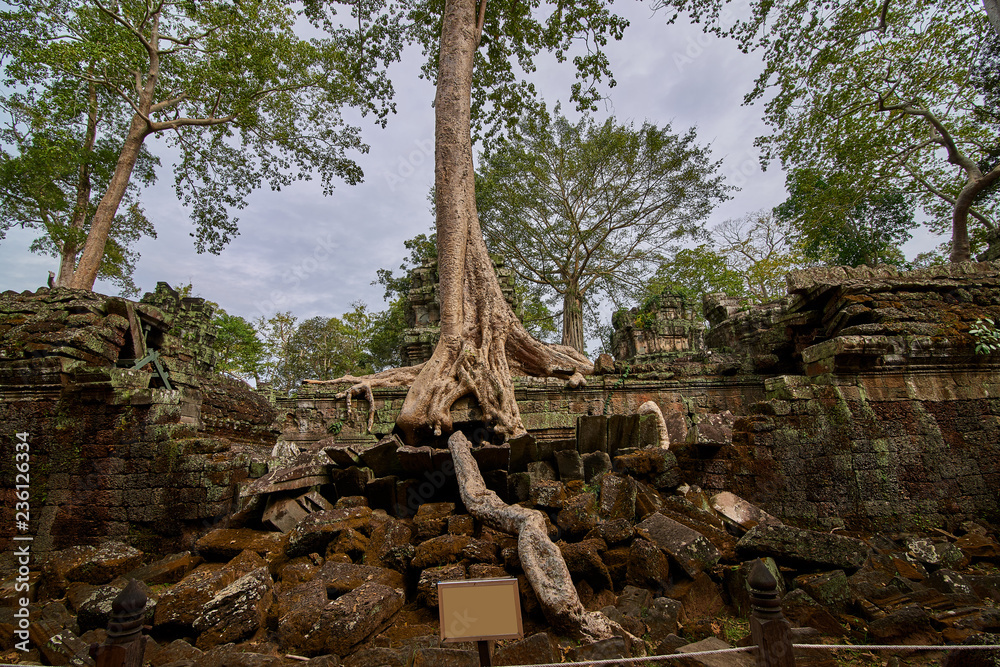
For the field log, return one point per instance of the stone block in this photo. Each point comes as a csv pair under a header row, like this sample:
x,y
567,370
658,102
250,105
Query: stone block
x,y
595,466
237,611
570,465
314,533
797,546
445,657
740,512
591,434
617,498
685,546
537,649
648,567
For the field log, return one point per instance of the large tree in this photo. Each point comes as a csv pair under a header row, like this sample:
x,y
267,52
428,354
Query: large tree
x,y
239,96
838,225
881,91
56,160
587,208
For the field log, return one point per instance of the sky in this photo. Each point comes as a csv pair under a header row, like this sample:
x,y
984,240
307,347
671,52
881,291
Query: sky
x,y
312,255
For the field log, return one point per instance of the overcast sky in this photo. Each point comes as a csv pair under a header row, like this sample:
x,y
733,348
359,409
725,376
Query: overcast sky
x,y
312,255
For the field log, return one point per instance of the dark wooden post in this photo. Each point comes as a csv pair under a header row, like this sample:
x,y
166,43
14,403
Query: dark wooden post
x,y
125,644
485,659
770,630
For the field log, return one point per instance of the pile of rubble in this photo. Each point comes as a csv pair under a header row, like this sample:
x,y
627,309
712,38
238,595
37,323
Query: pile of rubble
x,y
315,569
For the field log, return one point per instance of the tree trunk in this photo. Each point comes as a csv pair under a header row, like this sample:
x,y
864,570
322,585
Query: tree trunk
x,y
541,560
100,227
68,252
993,12
573,319
481,338
961,249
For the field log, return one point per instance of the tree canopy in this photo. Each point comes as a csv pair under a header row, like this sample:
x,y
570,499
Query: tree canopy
x,y
838,225
586,208
881,91
235,92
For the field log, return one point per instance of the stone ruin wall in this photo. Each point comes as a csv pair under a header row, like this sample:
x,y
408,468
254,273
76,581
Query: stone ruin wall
x,y
116,455
857,400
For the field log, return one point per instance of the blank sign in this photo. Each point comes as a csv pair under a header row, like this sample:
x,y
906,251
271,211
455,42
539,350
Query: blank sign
x,y
479,609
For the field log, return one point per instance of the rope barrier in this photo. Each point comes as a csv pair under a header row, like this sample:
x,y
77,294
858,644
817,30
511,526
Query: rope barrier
x,y
900,647
650,658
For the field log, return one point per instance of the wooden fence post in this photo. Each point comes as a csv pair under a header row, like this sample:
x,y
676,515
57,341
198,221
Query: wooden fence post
x,y
125,644
769,629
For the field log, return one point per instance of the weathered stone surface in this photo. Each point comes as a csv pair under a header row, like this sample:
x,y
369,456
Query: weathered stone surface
x,y
440,550
316,531
954,584
648,567
377,657
237,611
168,570
570,464
712,644
444,657
537,649
804,547
429,578
583,559
699,598
341,578
548,494
613,532
617,500
605,649
181,604
741,512
176,651
224,544
662,618
595,465
800,609
431,519
232,655
909,625
688,548
578,515
830,589
89,564
387,534
343,623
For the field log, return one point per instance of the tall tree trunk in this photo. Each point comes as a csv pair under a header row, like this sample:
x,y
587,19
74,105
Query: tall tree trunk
x,y
68,252
481,338
573,319
100,227
993,12
961,249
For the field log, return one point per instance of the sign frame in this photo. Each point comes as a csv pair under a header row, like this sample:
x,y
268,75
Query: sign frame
x,y
453,599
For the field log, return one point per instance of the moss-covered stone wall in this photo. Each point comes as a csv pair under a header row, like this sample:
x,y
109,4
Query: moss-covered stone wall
x,y
113,453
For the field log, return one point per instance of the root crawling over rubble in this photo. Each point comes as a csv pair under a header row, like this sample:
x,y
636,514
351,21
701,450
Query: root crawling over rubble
x,y
541,560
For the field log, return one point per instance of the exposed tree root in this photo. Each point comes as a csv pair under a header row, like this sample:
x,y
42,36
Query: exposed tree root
x,y
651,408
541,560
362,386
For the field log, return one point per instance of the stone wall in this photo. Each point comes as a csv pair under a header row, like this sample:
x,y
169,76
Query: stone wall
x,y
883,417
856,400
114,454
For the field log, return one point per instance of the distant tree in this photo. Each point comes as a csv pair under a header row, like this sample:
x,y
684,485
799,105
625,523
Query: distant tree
x,y
836,224
747,258
55,163
694,272
240,351
276,333
881,92
230,86
761,250
584,209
